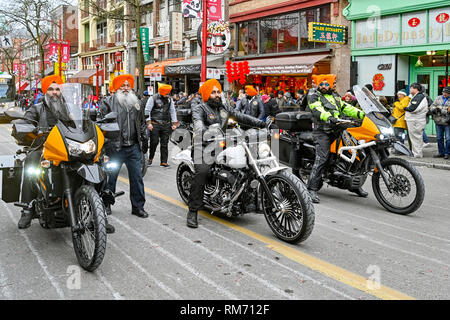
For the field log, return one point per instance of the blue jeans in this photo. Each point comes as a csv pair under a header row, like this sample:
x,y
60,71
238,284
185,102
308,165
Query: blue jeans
x,y
132,157
425,137
443,139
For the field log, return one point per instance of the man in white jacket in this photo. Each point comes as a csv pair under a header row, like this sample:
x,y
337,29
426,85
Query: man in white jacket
x,y
415,116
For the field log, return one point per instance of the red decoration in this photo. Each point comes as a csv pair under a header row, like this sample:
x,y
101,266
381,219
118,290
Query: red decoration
x,y
230,74
414,22
378,82
257,79
442,17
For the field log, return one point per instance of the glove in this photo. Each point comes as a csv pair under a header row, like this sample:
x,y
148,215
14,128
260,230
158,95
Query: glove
x,y
333,120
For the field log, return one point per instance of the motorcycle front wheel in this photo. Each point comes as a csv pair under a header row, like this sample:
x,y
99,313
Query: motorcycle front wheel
x,y
406,191
184,180
90,242
294,220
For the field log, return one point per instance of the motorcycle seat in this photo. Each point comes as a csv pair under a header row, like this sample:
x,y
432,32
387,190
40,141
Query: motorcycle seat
x,y
306,136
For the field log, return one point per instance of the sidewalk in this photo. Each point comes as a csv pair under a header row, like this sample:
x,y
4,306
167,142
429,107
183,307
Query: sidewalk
x,y
428,160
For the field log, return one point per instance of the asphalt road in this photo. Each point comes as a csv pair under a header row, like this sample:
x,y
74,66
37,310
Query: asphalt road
x,y
354,240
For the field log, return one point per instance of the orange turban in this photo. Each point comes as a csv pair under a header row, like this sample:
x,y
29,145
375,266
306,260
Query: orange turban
x,y
164,89
47,81
330,78
206,89
120,80
251,91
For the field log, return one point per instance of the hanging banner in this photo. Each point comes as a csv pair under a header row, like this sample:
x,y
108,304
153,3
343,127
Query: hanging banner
x,y
65,53
176,31
214,10
23,69
16,69
145,43
192,9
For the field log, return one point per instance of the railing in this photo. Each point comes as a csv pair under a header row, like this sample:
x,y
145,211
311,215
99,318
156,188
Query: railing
x,y
99,43
85,47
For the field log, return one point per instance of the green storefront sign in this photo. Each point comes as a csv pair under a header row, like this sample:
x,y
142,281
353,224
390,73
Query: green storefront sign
x,y
328,33
145,43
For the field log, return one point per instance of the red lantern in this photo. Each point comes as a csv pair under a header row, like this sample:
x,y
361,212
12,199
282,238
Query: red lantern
x,y
230,75
246,67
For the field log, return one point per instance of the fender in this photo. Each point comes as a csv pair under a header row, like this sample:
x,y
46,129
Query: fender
x,y
184,157
400,147
274,170
92,173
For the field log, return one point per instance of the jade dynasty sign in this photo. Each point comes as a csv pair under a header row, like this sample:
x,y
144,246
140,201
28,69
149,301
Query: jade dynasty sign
x,y
328,33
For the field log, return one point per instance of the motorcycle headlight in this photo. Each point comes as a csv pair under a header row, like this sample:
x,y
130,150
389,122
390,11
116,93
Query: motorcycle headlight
x,y
386,132
111,165
263,150
76,148
31,171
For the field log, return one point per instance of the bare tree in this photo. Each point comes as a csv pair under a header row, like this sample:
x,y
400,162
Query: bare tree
x,y
34,17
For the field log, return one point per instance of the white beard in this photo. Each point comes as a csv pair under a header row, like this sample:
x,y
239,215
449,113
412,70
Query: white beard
x,y
127,100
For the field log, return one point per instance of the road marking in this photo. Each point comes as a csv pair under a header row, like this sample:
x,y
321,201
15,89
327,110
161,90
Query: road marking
x,y
37,255
185,265
168,290
328,269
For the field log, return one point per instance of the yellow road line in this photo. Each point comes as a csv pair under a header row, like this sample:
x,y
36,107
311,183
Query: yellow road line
x,y
327,269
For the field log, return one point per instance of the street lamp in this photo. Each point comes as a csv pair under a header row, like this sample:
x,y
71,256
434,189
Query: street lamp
x,y
118,56
97,64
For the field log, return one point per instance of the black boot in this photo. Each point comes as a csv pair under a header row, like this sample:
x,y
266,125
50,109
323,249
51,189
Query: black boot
x,y
192,219
109,228
108,209
314,196
25,219
360,192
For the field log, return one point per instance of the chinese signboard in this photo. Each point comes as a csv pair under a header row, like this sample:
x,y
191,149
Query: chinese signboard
x,y
413,30
176,31
288,69
16,69
145,43
324,32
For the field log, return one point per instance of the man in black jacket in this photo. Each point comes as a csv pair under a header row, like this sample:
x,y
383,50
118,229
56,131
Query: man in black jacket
x,y
46,113
204,114
161,121
131,142
251,104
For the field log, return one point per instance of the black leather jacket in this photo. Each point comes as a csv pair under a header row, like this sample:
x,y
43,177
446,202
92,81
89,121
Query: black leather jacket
x,y
132,124
41,113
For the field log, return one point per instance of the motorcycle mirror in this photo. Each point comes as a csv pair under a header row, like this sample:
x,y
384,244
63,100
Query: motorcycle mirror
x,y
14,115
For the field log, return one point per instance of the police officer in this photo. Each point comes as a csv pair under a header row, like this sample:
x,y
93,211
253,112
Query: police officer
x,y
326,107
161,120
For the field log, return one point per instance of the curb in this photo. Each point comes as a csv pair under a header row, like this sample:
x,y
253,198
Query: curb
x,y
430,165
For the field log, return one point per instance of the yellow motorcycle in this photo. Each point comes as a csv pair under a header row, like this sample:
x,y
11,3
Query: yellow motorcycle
x,y
68,180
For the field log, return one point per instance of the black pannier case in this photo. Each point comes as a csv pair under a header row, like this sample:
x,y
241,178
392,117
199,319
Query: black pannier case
x,y
294,121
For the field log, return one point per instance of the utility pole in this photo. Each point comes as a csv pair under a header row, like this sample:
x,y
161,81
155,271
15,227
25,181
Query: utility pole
x,y
204,39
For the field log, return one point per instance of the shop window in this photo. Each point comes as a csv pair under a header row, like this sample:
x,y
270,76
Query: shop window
x,y
193,48
161,52
288,33
269,35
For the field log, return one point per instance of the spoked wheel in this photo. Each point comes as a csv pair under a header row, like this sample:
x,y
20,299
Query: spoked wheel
x,y
294,220
90,242
406,189
184,181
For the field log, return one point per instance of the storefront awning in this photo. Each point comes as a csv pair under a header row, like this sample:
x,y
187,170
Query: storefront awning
x,y
158,67
288,65
24,85
193,65
85,76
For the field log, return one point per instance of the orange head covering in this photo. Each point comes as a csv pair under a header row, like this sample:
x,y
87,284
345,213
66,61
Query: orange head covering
x,y
330,78
251,91
164,89
206,89
47,81
120,80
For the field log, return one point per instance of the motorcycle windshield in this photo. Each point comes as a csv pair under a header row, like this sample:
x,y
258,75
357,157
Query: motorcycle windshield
x,y
73,115
368,101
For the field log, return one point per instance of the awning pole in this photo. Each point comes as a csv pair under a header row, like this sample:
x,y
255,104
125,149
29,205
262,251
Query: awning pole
x,y
446,68
204,39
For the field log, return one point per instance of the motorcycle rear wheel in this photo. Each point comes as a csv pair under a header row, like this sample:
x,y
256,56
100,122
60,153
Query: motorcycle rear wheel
x,y
90,243
402,175
295,221
184,180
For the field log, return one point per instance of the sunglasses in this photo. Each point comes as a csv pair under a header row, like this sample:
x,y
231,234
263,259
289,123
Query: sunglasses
x,y
324,84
